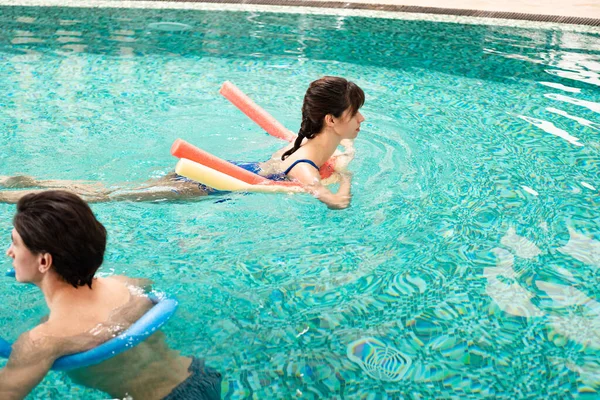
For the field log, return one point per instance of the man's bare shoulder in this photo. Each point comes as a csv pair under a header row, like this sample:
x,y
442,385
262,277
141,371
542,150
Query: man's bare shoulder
x,y
142,283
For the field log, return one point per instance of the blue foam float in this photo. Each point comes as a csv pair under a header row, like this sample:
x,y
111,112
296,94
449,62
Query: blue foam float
x,y
149,323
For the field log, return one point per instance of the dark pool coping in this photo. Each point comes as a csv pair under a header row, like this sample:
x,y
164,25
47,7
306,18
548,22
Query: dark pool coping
x,y
405,9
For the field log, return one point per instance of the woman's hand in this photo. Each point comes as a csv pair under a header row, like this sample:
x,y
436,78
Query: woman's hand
x,y
341,203
311,181
335,201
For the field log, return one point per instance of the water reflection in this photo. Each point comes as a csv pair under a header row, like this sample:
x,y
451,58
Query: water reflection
x,y
582,76
504,289
520,245
439,167
582,248
560,86
552,129
580,120
587,185
570,314
590,105
25,37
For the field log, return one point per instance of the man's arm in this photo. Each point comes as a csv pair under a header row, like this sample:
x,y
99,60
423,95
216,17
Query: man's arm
x,y
29,362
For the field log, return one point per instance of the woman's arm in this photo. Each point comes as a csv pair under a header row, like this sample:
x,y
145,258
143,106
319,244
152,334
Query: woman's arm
x,y
335,201
311,180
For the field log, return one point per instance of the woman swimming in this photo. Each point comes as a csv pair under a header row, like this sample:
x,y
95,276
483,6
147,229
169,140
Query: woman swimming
x,y
330,117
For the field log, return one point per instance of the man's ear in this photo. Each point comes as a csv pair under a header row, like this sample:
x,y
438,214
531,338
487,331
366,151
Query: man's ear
x,y
45,262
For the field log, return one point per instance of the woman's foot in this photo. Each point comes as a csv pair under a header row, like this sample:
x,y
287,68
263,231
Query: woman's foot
x,y
18,181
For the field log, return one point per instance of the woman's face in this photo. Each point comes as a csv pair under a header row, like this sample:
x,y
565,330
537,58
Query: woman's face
x,y
347,125
25,263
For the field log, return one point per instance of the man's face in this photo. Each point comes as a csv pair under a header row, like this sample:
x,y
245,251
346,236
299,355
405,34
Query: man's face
x,y
26,263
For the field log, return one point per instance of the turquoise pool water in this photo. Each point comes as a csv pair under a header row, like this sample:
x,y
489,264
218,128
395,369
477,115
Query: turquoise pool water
x,y
468,264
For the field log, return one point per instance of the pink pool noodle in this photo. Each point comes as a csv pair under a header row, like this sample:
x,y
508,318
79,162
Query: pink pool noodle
x,y
265,120
255,112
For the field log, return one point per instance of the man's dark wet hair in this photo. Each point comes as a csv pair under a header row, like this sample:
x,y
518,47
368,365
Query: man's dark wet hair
x,y
62,224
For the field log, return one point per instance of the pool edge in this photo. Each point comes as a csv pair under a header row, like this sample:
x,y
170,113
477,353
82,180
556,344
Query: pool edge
x,y
342,9
571,20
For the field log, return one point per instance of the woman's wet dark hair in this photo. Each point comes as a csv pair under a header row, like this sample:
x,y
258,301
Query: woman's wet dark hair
x,y
328,95
62,224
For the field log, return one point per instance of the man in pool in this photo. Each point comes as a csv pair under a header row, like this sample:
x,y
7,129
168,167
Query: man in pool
x,y
58,245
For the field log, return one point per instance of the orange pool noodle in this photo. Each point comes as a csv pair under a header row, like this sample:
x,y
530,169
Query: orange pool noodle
x,y
183,149
327,169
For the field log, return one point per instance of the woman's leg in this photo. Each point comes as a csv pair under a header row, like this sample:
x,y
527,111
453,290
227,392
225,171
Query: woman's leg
x,y
13,196
92,192
24,182
18,181
166,188
163,189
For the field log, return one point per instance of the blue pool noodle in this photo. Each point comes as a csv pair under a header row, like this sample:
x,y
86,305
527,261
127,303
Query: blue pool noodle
x,y
149,323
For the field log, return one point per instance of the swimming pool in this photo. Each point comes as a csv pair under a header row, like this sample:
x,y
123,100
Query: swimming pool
x,y
472,247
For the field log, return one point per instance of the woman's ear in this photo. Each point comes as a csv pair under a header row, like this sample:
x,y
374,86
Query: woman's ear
x,y
45,262
329,120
